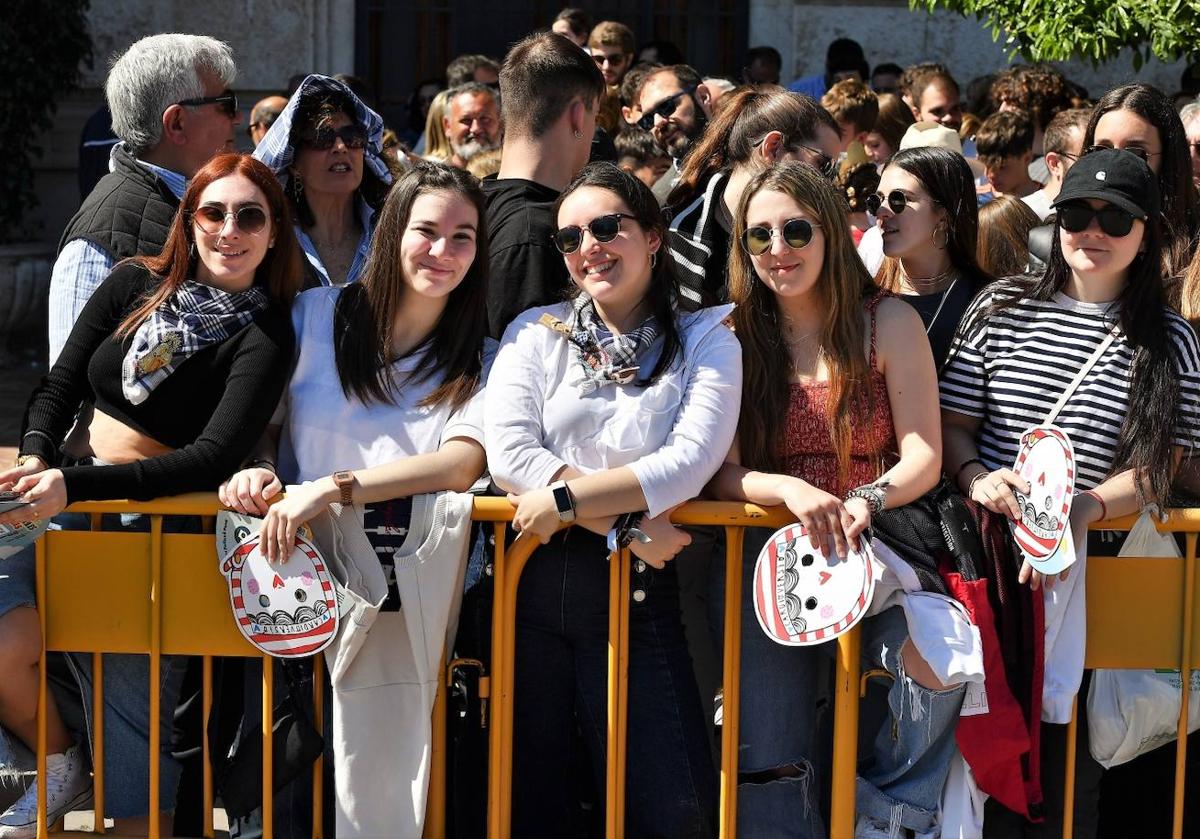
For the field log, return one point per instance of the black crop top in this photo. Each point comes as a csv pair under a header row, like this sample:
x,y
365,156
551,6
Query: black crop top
x,y
211,409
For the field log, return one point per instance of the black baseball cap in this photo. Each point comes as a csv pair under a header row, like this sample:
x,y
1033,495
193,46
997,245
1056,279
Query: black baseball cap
x,y
1114,175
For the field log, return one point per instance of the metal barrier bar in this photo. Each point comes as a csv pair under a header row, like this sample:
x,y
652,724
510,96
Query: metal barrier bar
x,y
509,562
268,747
318,773
98,748
156,593
1185,674
435,805
206,770
731,681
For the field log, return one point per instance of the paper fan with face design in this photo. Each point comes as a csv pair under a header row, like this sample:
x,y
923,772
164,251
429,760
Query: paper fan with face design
x,y
1046,460
287,610
804,596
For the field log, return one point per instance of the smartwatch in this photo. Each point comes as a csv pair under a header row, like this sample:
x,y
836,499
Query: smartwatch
x,y
563,500
344,481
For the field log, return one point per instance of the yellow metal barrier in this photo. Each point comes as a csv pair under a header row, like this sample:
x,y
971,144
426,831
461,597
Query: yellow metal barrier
x,y
165,599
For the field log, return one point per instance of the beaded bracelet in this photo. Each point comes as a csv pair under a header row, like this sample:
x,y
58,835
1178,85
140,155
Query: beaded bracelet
x,y
975,480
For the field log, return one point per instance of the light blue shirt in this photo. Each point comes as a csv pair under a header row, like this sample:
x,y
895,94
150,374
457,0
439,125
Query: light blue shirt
x,y
365,216
81,267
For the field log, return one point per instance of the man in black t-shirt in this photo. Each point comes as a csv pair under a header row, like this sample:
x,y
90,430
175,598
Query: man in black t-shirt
x,y
549,91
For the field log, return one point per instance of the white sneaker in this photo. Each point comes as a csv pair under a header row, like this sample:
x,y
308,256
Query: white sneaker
x,y
68,787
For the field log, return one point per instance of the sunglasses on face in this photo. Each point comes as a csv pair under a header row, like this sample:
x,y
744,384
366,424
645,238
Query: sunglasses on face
x,y
227,100
666,108
1142,153
896,200
323,139
1075,218
603,229
211,218
797,233
613,58
825,164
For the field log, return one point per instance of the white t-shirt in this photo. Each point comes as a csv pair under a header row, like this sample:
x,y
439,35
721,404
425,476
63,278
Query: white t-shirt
x,y
674,433
325,431
1039,202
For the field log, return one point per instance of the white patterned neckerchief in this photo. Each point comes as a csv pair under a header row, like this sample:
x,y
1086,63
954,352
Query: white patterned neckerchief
x,y
194,317
604,357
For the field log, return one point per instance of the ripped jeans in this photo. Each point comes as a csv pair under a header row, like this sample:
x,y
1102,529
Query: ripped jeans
x,y
785,720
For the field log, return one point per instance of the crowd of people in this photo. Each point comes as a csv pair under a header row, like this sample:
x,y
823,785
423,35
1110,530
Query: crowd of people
x,y
597,281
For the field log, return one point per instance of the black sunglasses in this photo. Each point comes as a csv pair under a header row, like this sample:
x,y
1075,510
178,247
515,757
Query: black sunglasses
x,y
797,233
825,164
897,201
1142,153
322,139
603,229
211,218
227,101
665,108
1075,218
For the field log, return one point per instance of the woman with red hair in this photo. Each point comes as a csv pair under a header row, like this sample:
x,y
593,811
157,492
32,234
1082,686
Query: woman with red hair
x,y
183,356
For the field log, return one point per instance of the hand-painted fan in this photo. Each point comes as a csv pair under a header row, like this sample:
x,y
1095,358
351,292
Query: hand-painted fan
x,y
804,596
1046,460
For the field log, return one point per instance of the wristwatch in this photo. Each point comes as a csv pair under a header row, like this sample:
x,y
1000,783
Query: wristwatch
x,y
344,481
563,500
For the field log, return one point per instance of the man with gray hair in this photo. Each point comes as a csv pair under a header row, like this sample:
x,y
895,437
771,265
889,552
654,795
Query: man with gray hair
x,y
172,110
472,122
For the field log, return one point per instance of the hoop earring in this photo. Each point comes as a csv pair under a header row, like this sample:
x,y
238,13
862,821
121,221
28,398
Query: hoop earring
x,y
578,134
945,242
653,258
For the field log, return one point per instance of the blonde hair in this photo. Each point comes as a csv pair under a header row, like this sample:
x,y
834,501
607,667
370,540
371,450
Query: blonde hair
x,y
437,144
482,165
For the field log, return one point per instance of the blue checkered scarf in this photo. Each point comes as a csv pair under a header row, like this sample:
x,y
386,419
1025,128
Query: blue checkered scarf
x,y
194,317
604,357
277,152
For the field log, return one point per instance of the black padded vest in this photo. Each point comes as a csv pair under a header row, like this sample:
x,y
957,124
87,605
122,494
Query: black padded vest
x,y
127,214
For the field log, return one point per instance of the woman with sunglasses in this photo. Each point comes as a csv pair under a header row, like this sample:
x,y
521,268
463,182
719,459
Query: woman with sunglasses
x,y
929,217
384,404
184,356
610,404
1142,119
327,150
756,128
845,424
1130,418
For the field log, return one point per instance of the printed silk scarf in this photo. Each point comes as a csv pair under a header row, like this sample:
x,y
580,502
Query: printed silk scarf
x,y
607,358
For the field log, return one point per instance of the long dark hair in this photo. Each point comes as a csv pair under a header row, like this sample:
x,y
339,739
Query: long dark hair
x,y
746,116
315,109
1146,436
947,178
664,285
1180,209
281,270
365,314
844,285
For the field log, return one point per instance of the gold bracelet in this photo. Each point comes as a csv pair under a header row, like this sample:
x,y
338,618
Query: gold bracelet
x,y
22,459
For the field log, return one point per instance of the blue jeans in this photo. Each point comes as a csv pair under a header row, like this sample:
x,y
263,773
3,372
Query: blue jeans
x,y
126,676
561,678
783,727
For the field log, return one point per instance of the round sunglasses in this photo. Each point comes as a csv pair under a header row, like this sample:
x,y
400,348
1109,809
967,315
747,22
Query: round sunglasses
x,y
797,233
896,200
211,218
1076,218
603,229
322,139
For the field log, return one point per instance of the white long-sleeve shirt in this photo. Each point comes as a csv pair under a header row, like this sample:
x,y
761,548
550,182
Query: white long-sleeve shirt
x,y
674,433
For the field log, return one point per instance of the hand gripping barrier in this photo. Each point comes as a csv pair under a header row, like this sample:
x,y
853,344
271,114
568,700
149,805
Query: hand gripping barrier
x,y
163,596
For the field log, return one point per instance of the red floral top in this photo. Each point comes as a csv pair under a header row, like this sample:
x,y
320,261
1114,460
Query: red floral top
x,y
807,445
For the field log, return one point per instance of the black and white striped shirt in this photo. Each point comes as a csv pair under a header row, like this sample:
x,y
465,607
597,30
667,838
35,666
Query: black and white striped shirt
x,y
1012,371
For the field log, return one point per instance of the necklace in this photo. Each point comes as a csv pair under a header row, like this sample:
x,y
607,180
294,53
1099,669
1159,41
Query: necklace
x,y
925,285
938,311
